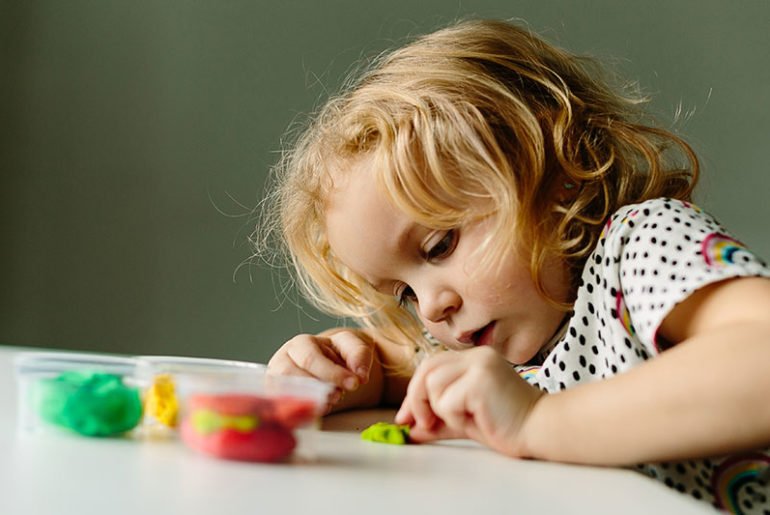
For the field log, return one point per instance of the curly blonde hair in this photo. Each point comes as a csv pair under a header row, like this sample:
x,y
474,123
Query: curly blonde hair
x,y
480,119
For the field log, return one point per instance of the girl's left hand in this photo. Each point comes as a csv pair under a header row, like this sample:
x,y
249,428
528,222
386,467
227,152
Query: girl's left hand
x,y
473,394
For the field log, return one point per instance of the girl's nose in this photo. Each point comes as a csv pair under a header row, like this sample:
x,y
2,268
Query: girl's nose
x,y
437,305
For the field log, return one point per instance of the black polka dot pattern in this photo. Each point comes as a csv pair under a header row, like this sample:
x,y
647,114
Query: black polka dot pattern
x,y
650,257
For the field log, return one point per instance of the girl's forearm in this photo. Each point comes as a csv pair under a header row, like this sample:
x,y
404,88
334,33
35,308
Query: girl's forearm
x,y
692,401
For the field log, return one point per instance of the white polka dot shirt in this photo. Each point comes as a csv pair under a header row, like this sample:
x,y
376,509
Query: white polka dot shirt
x,y
650,257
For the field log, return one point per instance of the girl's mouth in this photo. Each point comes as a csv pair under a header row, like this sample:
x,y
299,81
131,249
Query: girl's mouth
x,y
484,335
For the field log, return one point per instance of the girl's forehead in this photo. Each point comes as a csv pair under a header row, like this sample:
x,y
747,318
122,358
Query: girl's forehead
x,y
357,199
349,177
364,229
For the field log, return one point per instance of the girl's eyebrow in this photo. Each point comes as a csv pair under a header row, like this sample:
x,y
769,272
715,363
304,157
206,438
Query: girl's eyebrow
x,y
406,235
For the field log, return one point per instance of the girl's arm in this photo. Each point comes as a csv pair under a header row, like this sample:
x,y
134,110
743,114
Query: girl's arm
x,y
709,395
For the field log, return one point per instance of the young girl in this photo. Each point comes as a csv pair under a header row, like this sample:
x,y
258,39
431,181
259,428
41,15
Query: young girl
x,y
481,199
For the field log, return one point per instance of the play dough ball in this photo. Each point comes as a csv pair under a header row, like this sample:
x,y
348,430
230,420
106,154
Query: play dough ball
x,y
89,403
265,443
245,426
384,432
161,401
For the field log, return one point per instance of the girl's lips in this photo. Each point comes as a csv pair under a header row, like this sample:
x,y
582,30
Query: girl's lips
x,y
484,335
478,337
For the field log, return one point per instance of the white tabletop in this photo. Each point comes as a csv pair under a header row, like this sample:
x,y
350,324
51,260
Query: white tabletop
x,y
63,474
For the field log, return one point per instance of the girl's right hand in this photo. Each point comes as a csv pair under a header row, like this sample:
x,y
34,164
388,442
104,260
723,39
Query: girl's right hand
x,y
343,357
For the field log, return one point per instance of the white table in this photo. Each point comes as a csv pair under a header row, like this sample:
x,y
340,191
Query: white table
x,y
62,474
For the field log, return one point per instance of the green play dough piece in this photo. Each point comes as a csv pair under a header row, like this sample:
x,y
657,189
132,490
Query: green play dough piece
x,y
206,422
89,403
384,432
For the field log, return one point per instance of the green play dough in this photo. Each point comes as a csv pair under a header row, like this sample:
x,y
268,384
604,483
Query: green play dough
x,y
89,403
207,421
384,432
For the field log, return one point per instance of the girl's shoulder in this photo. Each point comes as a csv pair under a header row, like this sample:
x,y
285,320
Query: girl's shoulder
x,y
668,226
676,240
666,209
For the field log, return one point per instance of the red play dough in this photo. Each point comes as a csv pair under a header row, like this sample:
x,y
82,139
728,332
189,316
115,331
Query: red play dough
x,y
272,440
266,443
293,412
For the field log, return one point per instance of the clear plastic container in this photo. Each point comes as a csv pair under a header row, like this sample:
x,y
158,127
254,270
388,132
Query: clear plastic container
x,y
250,415
159,376
88,394
226,409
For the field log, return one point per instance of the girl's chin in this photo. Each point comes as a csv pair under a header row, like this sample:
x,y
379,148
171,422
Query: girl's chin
x,y
516,355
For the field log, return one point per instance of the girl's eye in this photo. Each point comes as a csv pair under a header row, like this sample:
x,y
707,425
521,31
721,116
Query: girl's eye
x,y
440,250
406,295
443,247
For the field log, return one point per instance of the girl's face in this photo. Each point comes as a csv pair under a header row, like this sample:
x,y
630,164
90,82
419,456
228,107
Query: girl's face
x,y
438,272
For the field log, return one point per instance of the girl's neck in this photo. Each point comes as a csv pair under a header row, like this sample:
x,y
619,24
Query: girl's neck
x,y
546,349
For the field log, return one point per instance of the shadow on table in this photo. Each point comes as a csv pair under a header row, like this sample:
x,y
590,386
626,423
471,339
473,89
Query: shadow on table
x,y
356,420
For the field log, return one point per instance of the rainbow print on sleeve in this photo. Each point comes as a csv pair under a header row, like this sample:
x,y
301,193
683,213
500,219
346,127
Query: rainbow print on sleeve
x,y
624,315
720,250
738,479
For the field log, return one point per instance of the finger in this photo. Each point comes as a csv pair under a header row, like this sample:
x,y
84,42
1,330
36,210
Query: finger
x,y
445,389
416,406
314,356
440,429
289,368
356,352
404,416
281,364
415,410
439,432
335,396
331,353
421,406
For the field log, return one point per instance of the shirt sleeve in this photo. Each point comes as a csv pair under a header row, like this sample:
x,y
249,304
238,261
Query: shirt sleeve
x,y
665,250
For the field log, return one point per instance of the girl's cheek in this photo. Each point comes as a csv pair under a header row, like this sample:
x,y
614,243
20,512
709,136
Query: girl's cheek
x,y
493,295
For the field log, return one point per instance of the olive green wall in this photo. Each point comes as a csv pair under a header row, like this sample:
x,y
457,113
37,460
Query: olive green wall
x,y
135,136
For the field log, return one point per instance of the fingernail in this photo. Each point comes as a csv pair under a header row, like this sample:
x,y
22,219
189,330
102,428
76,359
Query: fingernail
x,y
351,383
362,372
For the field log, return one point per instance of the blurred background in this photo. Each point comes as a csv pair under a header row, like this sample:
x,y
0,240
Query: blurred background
x,y
136,138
